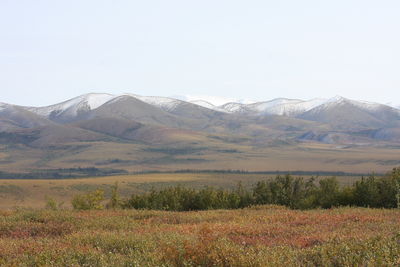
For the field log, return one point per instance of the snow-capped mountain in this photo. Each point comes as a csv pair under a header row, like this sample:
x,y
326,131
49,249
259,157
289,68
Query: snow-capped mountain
x,y
73,107
13,117
295,107
70,109
206,104
136,131
233,107
338,101
2,106
336,120
344,113
393,105
265,107
166,103
285,107
214,100
279,106
170,104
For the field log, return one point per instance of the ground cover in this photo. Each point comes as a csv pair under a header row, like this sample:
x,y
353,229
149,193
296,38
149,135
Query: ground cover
x,y
256,236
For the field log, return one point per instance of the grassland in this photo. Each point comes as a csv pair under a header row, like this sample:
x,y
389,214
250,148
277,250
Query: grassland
x,y
33,193
201,155
258,236
268,235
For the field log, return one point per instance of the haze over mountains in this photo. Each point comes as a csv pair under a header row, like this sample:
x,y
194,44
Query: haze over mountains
x,y
104,122
93,116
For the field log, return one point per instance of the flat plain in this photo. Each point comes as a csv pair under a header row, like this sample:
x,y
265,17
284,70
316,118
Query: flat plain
x,y
202,155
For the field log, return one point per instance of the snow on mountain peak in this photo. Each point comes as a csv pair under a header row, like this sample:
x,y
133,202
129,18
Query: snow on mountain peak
x,y
215,100
339,100
294,107
278,106
206,104
2,106
393,105
264,107
234,107
165,103
95,100
202,103
367,105
73,106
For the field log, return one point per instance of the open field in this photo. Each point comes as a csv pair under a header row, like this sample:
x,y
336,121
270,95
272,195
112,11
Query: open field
x,y
33,193
258,236
203,155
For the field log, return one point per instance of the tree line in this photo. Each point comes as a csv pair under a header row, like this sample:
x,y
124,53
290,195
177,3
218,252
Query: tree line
x,y
62,173
293,192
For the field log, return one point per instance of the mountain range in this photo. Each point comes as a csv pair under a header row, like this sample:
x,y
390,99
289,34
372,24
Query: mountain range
x,y
152,132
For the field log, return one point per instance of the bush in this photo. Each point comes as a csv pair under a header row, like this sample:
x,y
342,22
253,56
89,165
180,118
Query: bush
x,y
51,204
179,198
89,201
115,200
328,193
296,193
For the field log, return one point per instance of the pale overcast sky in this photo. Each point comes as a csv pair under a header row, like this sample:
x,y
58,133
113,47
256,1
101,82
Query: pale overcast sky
x,y
54,50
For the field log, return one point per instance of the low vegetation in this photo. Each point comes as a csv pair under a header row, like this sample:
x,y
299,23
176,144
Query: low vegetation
x,y
62,173
295,193
89,201
258,236
262,225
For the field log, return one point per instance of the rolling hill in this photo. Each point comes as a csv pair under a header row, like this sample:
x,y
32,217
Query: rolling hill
x,y
149,132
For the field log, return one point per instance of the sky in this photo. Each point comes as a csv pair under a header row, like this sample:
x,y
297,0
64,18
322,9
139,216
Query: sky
x,y
250,50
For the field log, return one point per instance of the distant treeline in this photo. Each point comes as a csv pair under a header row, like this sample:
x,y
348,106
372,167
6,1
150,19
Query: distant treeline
x,y
308,173
296,193
68,173
62,173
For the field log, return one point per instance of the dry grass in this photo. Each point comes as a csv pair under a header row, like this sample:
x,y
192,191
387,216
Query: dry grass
x,y
215,154
259,236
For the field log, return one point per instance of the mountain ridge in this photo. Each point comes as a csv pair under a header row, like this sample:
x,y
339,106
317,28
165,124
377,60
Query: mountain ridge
x,y
277,106
255,119
129,131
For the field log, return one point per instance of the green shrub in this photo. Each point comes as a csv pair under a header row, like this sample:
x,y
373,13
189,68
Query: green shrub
x,y
115,200
51,204
328,193
89,201
295,193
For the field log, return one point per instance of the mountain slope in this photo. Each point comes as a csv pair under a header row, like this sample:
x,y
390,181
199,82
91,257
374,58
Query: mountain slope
x,y
130,108
15,117
73,109
157,133
278,106
348,114
181,108
286,107
19,125
165,103
134,117
208,105
134,131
